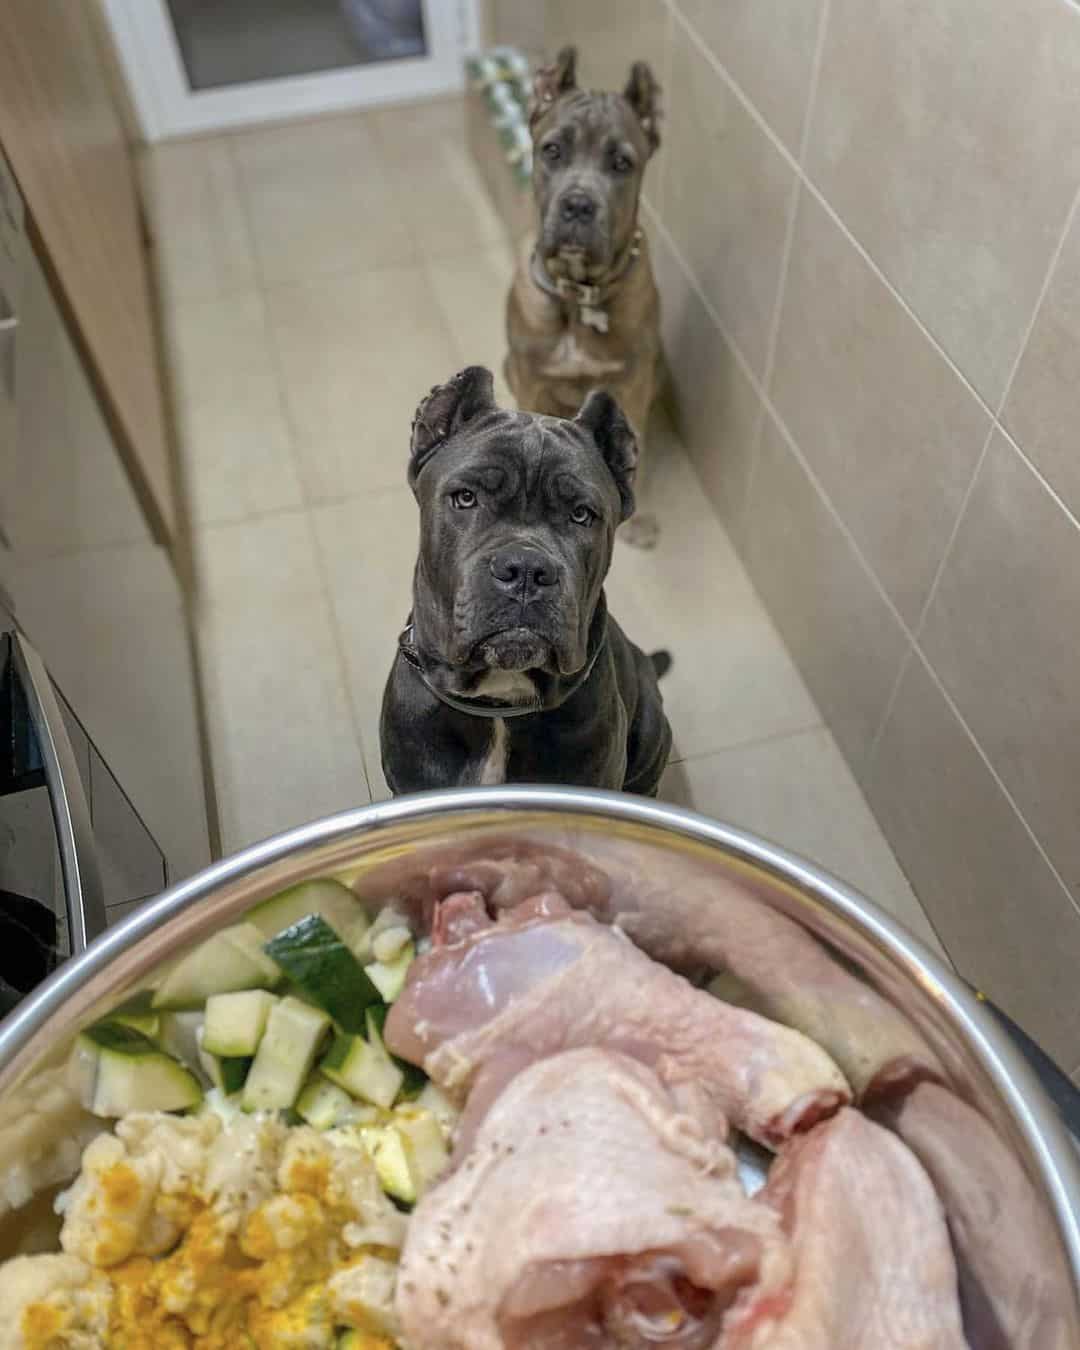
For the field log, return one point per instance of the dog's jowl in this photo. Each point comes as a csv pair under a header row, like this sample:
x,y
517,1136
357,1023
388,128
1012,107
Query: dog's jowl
x,y
583,311
510,667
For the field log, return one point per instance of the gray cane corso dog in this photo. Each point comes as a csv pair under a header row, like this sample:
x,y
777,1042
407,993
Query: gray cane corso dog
x,y
583,311
510,668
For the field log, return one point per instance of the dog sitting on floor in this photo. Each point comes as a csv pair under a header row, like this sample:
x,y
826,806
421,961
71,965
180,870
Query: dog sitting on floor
x,y
510,668
583,310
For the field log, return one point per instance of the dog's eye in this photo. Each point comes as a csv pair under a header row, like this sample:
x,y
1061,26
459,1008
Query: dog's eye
x,y
463,498
621,163
552,151
582,515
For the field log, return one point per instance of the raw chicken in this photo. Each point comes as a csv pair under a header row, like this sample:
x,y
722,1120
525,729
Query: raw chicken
x,y
691,915
1013,1279
545,979
873,1264
590,1212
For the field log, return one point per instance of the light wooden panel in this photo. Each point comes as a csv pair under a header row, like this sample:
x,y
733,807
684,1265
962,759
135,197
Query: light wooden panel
x,y
63,137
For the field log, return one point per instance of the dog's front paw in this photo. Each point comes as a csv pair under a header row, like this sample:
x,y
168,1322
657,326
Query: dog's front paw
x,y
641,531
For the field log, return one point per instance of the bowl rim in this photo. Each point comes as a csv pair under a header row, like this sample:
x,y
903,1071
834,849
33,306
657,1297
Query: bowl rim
x,y
1049,1145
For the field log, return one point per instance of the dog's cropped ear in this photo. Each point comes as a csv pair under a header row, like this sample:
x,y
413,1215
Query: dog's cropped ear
x,y
551,82
447,409
614,436
643,94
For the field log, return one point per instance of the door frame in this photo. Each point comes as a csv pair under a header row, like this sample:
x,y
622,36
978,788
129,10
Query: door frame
x,y
166,106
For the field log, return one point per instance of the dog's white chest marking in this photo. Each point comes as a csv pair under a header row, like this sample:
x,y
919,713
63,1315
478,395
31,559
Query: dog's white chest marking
x,y
509,686
493,768
570,360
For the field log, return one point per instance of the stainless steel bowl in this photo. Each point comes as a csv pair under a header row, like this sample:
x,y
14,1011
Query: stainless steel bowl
x,y
649,858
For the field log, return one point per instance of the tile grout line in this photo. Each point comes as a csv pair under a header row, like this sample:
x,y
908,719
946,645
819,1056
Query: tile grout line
x,y
785,258
748,105
754,742
1074,902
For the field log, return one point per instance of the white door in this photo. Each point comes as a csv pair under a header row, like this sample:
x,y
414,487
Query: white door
x,y
203,65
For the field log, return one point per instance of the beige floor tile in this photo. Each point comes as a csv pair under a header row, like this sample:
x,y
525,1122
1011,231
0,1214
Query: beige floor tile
x,y
731,680
319,200
368,549
202,242
281,731
235,437
797,792
356,355
440,192
471,290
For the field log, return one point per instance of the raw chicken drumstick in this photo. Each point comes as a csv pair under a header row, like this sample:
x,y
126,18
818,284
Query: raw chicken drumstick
x,y
589,1212
546,979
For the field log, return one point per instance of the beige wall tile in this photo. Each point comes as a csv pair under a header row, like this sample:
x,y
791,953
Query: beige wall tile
x,y
845,640
320,200
1005,921
798,792
767,46
889,429
610,36
945,137
356,354
1001,634
716,407
1043,411
726,195
731,680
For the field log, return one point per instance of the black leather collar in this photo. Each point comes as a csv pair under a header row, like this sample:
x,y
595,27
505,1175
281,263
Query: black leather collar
x,y
490,708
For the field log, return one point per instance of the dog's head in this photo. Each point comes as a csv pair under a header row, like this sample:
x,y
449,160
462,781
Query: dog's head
x,y
589,156
517,520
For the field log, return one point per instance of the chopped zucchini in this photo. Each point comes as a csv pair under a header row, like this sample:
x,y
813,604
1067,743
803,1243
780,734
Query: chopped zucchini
x,y
433,1099
235,1022
388,977
323,1104
414,1080
362,1069
424,1144
393,1165
138,1013
178,1035
320,964
294,1032
332,901
117,1069
232,959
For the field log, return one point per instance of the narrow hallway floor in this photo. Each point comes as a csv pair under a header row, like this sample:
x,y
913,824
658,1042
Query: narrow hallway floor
x,y
317,280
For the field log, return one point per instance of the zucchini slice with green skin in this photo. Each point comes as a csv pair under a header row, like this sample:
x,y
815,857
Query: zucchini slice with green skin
x,y
323,1104
414,1079
116,1069
319,963
362,1069
179,1035
329,899
389,976
235,1022
293,1035
138,1012
233,959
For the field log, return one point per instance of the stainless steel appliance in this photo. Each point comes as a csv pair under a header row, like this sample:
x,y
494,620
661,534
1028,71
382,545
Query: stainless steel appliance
x,y
655,864
102,799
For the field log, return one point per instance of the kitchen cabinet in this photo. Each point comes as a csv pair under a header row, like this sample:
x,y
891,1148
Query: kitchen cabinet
x,y
64,139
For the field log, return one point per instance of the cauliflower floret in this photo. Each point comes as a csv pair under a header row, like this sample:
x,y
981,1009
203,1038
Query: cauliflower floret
x,y
43,1131
53,1302
181,1141
293,1242
110,1208
242,1164
354,1188
303,1324
362,1295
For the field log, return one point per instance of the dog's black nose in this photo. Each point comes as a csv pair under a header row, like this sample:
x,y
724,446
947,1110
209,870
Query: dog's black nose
x,y
527,568
577,206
